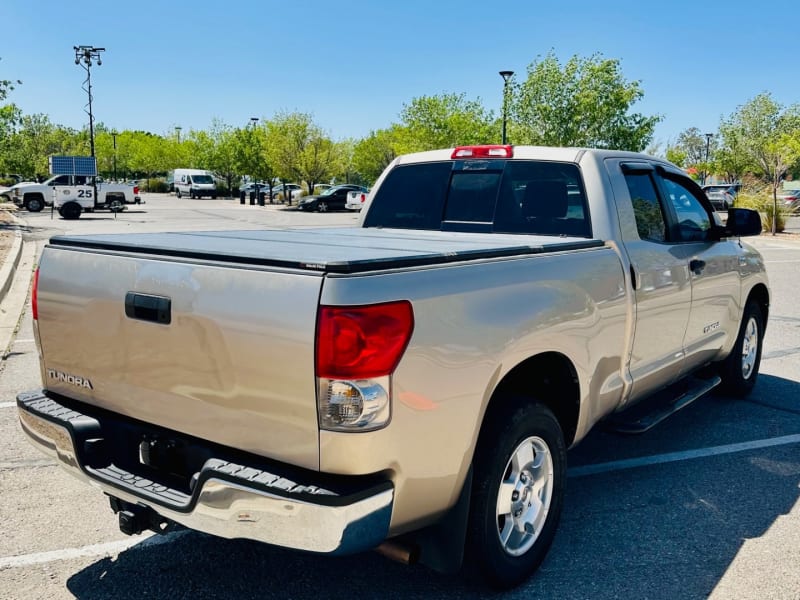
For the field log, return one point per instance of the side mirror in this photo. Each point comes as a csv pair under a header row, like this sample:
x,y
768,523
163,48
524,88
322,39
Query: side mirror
x,y
742,222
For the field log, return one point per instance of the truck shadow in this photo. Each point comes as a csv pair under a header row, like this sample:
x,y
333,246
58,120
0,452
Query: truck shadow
x,y
671,529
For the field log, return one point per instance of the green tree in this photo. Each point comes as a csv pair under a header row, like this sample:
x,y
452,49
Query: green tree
x,y
299,149
372,154
696,150
587,102
445,121
769,134
35,139
6,86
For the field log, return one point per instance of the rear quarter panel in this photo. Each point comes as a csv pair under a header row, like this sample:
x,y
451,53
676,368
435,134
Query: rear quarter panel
x,y
473,324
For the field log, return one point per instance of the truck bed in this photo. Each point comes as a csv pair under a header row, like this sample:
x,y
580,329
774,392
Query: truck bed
x,y
211,334
345,250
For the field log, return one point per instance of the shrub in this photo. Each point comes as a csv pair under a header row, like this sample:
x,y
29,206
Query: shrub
x,y
764,204
154,185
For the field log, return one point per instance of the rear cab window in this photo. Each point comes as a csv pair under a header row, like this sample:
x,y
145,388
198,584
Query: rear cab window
x,y
500,196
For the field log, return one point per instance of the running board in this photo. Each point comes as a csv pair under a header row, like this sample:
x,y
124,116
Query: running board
x,y
651,411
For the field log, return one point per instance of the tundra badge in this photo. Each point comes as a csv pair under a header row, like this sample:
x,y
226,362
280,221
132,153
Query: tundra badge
x,y
70,379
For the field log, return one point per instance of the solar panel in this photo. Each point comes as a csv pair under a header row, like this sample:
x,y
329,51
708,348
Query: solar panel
x,y
73,165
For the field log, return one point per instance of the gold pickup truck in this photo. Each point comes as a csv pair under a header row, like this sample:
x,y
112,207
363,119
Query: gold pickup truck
x,y
410,384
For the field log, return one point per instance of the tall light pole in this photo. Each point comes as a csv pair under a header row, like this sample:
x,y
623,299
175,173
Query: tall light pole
x,y
114,137
178,132
708,145
254,121
84,55
506,75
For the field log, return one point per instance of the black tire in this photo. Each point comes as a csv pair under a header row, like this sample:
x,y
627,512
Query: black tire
x,y
322,206
70,211
214,197
116,205
34,204
740,370
517,430
177,193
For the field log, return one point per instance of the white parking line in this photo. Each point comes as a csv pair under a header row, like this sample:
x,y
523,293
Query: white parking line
x,y
660,459
106,549
7,404
25,341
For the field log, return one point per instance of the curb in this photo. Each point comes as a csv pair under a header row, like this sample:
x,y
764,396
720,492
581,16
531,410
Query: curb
x,y
9,266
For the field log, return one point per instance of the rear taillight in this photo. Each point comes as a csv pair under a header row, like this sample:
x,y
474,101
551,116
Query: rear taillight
x,y
358,349
488,151
135,190
358,342
35,296
363,198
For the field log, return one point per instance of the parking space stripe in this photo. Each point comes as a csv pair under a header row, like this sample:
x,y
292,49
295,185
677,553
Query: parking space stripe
x,y
106,549
659,459
7,404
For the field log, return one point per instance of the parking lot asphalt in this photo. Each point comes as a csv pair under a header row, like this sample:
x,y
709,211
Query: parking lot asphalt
x,y
707,504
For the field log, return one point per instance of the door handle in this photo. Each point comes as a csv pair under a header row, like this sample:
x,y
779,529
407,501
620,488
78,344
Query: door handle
x,y
144,307
696,266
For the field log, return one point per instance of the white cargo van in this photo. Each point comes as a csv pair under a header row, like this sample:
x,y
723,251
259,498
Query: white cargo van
x,y
196,183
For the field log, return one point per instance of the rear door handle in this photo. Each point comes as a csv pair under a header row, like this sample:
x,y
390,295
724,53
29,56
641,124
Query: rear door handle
x,y
696,266
145,307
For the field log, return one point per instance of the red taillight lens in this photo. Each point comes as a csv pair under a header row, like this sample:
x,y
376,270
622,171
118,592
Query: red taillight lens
x,y
135,190
361,342
35,296
363,197
493,151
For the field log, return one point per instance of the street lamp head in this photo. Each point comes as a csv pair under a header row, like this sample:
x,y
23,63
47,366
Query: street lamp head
x,y
506,75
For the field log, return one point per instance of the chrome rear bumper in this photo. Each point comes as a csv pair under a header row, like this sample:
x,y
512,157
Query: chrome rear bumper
x,y
229,500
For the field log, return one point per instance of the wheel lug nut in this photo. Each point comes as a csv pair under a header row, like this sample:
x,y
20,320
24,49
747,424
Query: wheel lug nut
x,y
515,496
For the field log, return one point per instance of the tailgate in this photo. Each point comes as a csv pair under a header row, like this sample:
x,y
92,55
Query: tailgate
x,y
234,365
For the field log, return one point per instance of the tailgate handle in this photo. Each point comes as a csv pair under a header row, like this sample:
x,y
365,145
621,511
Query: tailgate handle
x,y
145,307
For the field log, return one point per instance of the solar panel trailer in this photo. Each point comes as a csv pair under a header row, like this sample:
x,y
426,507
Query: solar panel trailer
x,y
73,165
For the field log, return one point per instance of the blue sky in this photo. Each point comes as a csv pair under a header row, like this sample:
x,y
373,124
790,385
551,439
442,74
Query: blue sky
x,y
353,64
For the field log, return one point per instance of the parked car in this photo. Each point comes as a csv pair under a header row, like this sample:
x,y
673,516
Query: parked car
x,y
791,200
5,193
292,190
334,198
251,187
731,188
720,199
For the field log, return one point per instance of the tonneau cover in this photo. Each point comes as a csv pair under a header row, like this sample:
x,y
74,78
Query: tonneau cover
x,y
332,250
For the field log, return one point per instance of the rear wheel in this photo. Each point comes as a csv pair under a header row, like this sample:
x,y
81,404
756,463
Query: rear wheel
x,y
518,493
70,211
116,205
178,193
740,370
322,207
34,203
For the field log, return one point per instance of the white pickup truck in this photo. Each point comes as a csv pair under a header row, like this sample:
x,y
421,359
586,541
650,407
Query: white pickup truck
x,y
76,189
356,200
411,384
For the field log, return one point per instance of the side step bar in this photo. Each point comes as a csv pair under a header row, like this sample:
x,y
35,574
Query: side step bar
x,y
650,412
